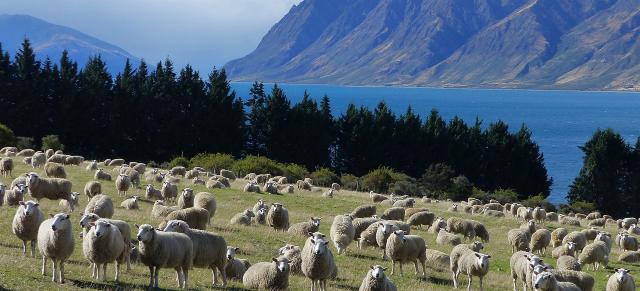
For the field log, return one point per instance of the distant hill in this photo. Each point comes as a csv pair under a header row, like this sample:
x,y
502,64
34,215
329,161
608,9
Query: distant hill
x,y
50,40
559,44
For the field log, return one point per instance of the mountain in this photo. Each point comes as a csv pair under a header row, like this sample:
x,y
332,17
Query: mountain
x,y
548,44
50,40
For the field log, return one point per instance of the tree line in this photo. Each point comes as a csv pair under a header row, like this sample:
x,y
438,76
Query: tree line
x,y
157,113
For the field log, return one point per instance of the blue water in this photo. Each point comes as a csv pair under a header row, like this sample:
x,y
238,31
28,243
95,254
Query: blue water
x,y
561,121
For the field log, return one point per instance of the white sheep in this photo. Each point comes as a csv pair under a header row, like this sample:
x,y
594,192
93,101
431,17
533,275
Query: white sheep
x,y
102,245
627,242
568,263
15,195
446,238
25,224
152,193
251,187
540,240
92,188
361,224
342,232
159,210
6,166
567,249
38,160
522,264
438,224
385,229
185,199
294,255
472,264
519,240
317,262
305,227
102,205
375,280
328,193
621,281
100,174
235,268
557,235
583,280
169,191
56,242
393,213
54,170
547,282
243,218
461,226
595,253
261,217
92,165
123,227
578,238
196,218
160,249
421,218
50,188
123,183
278,217
131,203
374,196
72,203
403,248
437,259
539,214
272,275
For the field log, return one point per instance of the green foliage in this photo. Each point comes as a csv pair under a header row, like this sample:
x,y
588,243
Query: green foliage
x,y
502,195
179,161
212,162
256,164
578,207
460,189
7,138
324,177
350,182
380,180
406,188
539,201
53,142
438,178
294,172
24,142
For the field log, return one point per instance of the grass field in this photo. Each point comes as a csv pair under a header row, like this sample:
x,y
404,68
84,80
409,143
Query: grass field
x,y
257,243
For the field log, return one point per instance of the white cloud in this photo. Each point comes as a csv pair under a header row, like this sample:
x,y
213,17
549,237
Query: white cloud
x,y
203,33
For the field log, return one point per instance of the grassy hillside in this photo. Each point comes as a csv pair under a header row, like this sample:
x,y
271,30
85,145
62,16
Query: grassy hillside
x,y
257,243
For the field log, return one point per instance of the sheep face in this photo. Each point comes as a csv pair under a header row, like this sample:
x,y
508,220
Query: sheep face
x,y
158,202
187,193
60,222
319,246
282,264
377,272
387,228
534,261
29,207
315,221
87,219
231,252
571,246
102,227
284,249
400,235
477,245
32,178
249,213
176,226
146,233
262,212
482,260
19,188
543,281
2,188
75,196
276,206
622,275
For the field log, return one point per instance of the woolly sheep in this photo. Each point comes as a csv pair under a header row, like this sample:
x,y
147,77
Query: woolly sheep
x,y
403,248
421,218
4,150
14,196
368,236
566,220
385,229
169,191
595,253
209,249
411,211
446,238
375,280
453,208
552,216
56,242
525,213
557,235
494,213
22,179
521,265
251,187
92,188
480,230
206,200
130,203
460,250
25,153
152,193
539,214
70,205
38,160
567,249
547,282
102,205
621,281
104,244
92,166
302,185
583,280
364,211
195,217
304,228
294,255
519,240
235,268
393,213
272,275
578,238
317,261
159,249
6,166
261,204
590,233
54,170
377,197
115,162
50,188
191,174
437,260
627,242
278,217
178,171
438,224
472,264
123,227
335,186
243,218
540,240
529,226
406,203
493,206
100,174
327,194
630,257
361,224
185,199
73,160
228,174
568,263
634,229
133,175
597,222
342,232
25,224
461,226
514,209
627,222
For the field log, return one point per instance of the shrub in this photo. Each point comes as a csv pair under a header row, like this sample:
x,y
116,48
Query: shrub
x,y
505,195
460,189
294,172
212,162
406,188
438,178
53,142
24,142
7,138
324,177
578,207
379,180
539,201
350,182
256,164
178,161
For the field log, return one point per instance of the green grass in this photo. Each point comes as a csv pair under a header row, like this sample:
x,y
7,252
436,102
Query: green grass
x,y
256,243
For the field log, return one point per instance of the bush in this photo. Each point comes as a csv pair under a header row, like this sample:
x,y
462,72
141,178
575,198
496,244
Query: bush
x,y
461,189
539,201
406,188
438,178
256,164
7,138
350,182
294,172
324,177
179,161
505,195
212,162
24,142
380,180
578,207
53,142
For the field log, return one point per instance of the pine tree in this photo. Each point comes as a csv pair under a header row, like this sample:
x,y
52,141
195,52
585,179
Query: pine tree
x,y
256,119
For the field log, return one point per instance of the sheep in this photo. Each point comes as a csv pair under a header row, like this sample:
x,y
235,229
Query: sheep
x,y
539,214
494,213
540,240
243,218
54,170
294,255
600,222
49,152
228,174
25,224
472,264
100,174
185,199
581,216
557,235
462,226
525,213
270,187
304,228
250,176
206,200
14,196
552,216
568,263
595,253
364,211
92,188
104,244
437,260
634,229
50,188
70,205
38,160
278,217
480,230
625,223
594,215
178,171
376,280
473,201
302,185
272,275
590,233
529,226
133,175
153,176
159,249
335,186
195,217
393,213
567,249
361,224
235,268
548,282
627,242
6,166
114,162
377,197
123,227
514,209
606,238
519,240
493,206
131,203
4,150
73,160
630,257
439,223
159,210
92,166
56,242
406,203
102,205
191,174
251,187
421,218
385,229
406,248
522,264
578,238
446,238
459,250
169,191
25,153
566,220
342,232
453,208
328,193
152,193
368,236
584,281
317,261
621,281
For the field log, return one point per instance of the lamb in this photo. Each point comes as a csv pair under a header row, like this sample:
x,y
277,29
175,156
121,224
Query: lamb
x,y
205,200
422,218
159,210
406,248
92,188
38,160
568,263
235,268
159,249
361,224
557,235
406,203
56,242
25,224
621,281
583,280
125,230
595,253
115,162
196,218
519,240
185,199
102,205
627,242
567,249
522,265
50,188
547,282
131,203
394,213
540,240
14,196
364,211
446,238
472,264
278,217
243,218
54,170
377,197
304,228
294,255
462,226
209,249
72,203
100,174
6,166
104,244
578,238
169,191
268,275
376,280
317,262
342,232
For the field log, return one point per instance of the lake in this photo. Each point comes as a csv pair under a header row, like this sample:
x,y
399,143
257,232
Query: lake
x,y
560,121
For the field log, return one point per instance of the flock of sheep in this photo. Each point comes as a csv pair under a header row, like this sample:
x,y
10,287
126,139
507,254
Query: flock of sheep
x,y
181,241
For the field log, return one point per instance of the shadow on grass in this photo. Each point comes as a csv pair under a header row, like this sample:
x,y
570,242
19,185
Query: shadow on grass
x,y
435,280
107,286
10,246
363,256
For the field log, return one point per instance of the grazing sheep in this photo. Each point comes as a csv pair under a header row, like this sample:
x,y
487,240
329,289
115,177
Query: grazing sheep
x,y
625,223
103,244
278,217
552,216
133,175
169,191
472,264
460,250
627,242
590,233
567,249
92,166
480,230
115,162
159,210
519,240
368,236
494,213
304,228
228,174
522,265
393,213
539,214
578,238
439,224
437,260
568,263
25,153
494,206
361,224
595,253
56,242
6,166
547,282
557,235
317,261
584,281
375,280
131,203
446,238
272,275
50,188
185,199
461,226
206,200
594,215
102,205
599,222
294,255
540,240
195,217
38,160
621,281
421,218
70,205
566,220
403,248
364,211
73,160
15,195
102,175
243,218
209,249
342,232
92,188
630,257
191,174
25,224
406,203
235,268
159,249
139,167
328,193
377,197
123,226
54,170
178,171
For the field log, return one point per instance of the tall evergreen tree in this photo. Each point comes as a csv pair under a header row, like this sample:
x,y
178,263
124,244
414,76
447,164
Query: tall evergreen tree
x,y
27,99
278,109
257,120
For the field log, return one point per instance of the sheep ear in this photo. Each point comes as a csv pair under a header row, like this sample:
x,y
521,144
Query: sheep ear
x,y
237,249
310,233
37,204
478,255
313,241
326,243
274,260
21,203
488,256
51,215
371,267
384,269
68,216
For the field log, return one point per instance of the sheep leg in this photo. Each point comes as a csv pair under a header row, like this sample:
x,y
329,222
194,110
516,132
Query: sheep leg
x,y
179,276
104,272
481,283
61,269
185,277
55,268
33,248
214,276
151,276
454,276
157,273
128,259
469,285
393,266
401,272
223,274
117,271
44,265
415,265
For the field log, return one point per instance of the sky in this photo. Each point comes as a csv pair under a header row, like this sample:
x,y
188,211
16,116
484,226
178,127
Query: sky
x,y
203,33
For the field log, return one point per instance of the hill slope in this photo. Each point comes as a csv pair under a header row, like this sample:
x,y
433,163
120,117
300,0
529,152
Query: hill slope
x,y
50,40
587,44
